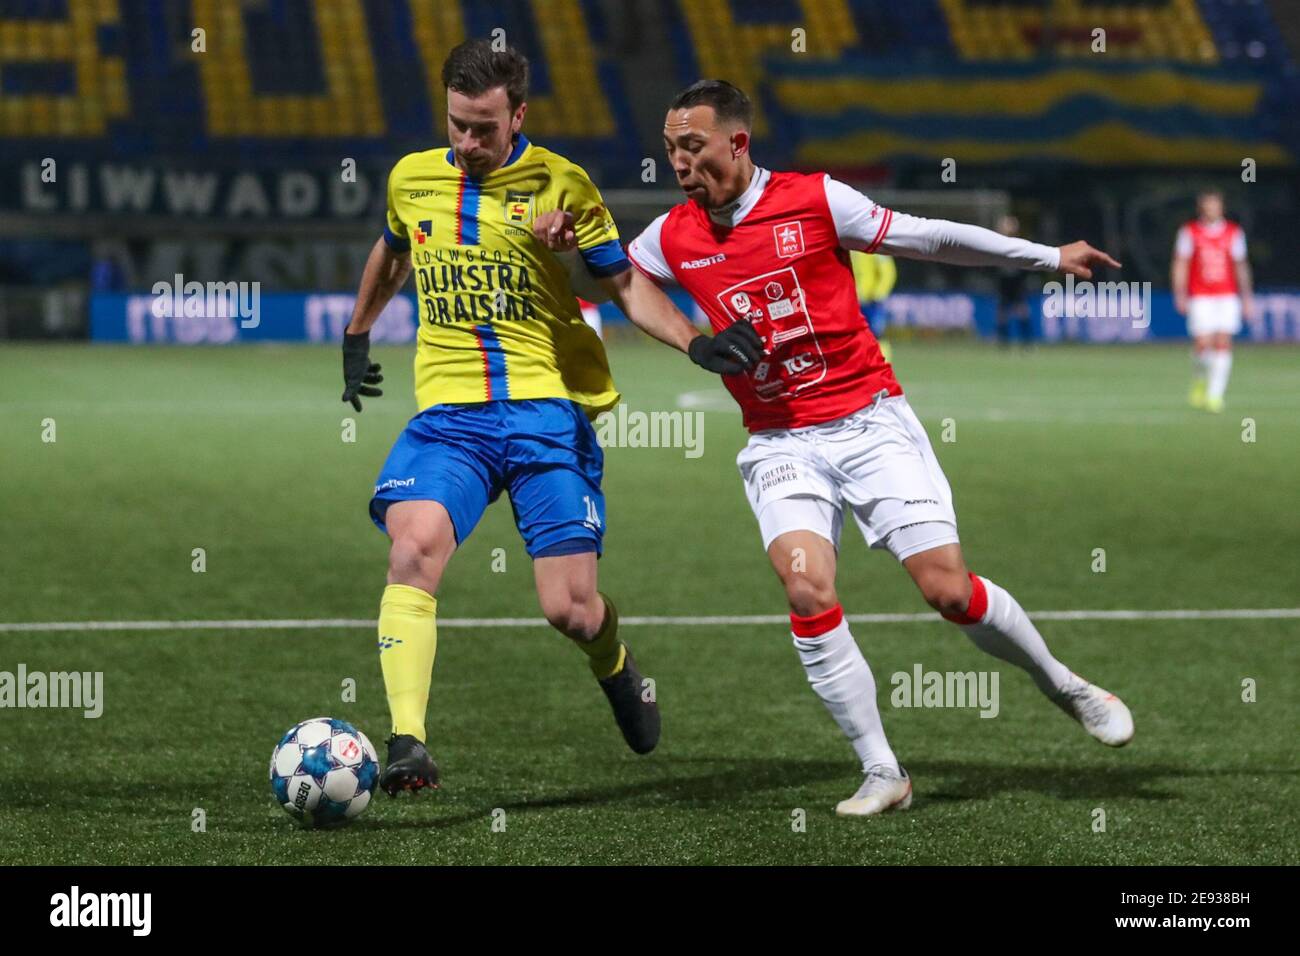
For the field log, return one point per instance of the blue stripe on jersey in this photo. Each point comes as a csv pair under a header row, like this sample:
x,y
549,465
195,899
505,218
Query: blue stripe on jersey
x,y
470,193
495,358
606,259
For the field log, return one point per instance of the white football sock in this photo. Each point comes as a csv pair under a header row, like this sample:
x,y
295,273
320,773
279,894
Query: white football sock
x,y
1220,368
840,676
1006,632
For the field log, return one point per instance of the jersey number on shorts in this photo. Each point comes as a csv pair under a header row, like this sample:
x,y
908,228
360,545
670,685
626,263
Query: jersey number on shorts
x,y
593,517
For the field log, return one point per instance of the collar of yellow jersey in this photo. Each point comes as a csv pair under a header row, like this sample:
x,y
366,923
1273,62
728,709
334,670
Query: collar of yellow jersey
x,y
521,144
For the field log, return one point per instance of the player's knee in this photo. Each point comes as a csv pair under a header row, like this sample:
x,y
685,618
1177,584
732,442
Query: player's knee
x,y
947,592
416,560
573,616
809,595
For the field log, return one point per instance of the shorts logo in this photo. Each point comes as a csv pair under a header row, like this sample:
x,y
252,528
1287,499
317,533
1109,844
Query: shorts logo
x,y
921,501
774,291
519,206
789,239
394,483
778,475
423,230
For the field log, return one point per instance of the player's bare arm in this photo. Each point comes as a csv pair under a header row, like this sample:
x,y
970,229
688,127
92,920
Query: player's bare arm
x,y
383,277
1246,287
1178,282
385,272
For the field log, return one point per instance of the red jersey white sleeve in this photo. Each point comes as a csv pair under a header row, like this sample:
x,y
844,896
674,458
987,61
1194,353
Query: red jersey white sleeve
x,y
869,227
773,258
776,257
647,253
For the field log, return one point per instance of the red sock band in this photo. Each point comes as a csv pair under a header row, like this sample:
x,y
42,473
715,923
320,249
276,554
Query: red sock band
x,y
978,606
817,624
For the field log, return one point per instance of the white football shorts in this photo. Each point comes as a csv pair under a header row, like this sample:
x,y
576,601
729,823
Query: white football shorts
x,y
1207,314
876,463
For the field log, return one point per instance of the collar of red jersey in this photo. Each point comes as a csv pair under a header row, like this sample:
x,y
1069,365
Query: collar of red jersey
x,y
734,212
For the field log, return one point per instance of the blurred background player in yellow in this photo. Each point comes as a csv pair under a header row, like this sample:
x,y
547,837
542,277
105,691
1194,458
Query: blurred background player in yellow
x,y
875,276
1212,286
507,378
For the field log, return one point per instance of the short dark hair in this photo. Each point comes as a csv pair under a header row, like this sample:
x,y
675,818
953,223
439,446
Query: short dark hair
x,y
474,67
729,102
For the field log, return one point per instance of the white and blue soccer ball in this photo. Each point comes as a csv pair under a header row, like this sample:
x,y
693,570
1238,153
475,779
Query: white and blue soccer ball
x,y
323,772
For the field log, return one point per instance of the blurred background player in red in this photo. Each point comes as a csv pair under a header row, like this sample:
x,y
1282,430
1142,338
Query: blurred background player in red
x,y
1212,286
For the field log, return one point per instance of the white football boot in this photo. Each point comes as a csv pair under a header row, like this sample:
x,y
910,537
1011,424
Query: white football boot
x,y
883,788
1102,713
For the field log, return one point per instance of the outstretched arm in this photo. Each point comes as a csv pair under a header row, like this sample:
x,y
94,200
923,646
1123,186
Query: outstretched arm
x,y
862,224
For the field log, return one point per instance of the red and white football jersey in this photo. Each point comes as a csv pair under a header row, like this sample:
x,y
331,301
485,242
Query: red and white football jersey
x,y
778,256
783,268
1212,249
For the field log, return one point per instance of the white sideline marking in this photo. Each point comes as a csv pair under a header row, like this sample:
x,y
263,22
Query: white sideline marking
x,y
269,624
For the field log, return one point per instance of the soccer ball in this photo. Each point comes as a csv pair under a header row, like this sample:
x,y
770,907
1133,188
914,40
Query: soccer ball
x,y
323,772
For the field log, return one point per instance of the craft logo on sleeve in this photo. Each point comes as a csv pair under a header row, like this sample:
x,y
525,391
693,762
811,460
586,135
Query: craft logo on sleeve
x,y
789,239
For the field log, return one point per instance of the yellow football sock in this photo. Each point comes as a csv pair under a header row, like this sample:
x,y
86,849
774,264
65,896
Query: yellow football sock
x,y
605,651
408,640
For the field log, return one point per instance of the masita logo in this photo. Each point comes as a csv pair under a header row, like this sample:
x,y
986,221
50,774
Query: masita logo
x,y
705,263
103,909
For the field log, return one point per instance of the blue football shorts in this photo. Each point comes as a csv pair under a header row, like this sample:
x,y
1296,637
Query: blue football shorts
x,y
542,452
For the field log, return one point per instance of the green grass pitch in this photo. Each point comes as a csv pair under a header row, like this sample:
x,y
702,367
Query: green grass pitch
x,y
238,451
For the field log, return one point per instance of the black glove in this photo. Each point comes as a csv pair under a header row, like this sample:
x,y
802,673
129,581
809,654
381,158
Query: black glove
x,y
359,373
735,349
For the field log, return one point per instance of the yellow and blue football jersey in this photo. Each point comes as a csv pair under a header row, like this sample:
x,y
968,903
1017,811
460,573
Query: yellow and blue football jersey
x,y
498,317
